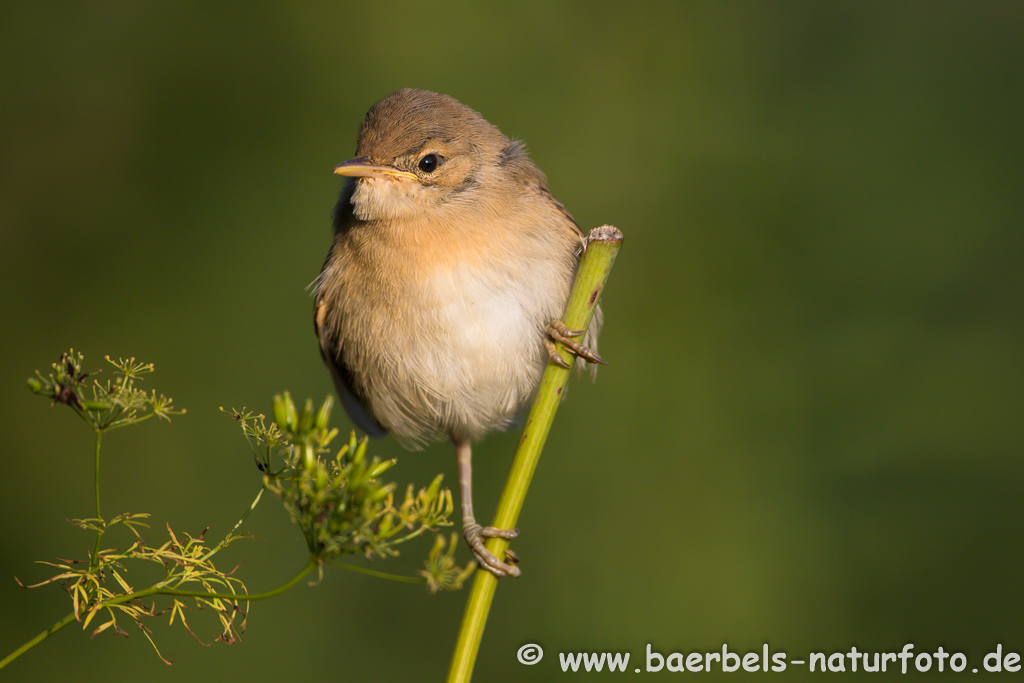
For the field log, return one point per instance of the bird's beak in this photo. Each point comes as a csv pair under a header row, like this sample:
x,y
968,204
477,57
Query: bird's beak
x,y
361,167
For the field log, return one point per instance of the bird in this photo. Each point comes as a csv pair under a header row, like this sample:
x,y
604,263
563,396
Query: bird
x,y
440,300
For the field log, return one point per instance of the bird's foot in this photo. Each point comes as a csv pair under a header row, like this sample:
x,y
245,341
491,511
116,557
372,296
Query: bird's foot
x,y
558,332
475,535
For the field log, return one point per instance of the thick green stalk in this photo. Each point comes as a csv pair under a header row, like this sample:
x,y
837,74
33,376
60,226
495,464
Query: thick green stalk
x,y
602,246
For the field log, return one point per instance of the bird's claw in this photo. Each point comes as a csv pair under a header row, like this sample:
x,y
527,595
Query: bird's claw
x,y
475,535
558,332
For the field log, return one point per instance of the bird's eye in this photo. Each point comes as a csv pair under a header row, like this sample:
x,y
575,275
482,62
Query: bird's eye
x,y
429,163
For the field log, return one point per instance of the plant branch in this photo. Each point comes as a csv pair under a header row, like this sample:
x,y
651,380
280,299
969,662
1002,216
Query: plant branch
x,y
220,546
38,639
159,589
380,575
99,517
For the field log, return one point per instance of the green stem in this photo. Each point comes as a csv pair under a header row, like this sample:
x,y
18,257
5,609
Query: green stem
x,y
38,639
99,438
381,575
217,548
113,424
603,246
245,597
99,516
408,537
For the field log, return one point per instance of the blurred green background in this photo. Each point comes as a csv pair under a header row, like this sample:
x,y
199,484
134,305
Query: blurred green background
x,y
811,432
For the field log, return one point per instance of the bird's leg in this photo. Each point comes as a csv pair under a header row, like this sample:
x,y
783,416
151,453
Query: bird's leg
x,y
557,331
473,532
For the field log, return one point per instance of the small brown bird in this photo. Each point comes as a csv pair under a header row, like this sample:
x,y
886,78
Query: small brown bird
x,y
442,295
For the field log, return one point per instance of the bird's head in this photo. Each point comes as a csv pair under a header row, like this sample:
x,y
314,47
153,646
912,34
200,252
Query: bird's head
x,y
419,150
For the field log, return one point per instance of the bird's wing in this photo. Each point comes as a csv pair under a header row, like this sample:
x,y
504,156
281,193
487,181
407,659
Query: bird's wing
x,y
519,166
570,222
330,351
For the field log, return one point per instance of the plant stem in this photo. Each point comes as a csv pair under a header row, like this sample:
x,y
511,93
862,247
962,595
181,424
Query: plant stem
x,y
99,516
217,548
245,597
381,575
602,246
99,438
38,639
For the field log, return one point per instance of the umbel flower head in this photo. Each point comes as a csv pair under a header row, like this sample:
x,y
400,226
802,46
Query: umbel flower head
x,y
338,500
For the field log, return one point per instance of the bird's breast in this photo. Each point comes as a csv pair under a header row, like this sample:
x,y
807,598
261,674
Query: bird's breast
x,y
450,344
